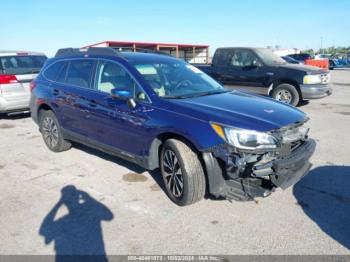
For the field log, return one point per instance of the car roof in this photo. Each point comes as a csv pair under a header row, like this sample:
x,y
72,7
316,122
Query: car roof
x,y
20,53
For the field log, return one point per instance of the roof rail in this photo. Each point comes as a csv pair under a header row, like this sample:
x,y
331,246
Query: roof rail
x,y
89,51
67,52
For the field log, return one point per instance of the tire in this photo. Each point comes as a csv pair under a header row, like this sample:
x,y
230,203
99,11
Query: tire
x,y
286,93
187,168
51,132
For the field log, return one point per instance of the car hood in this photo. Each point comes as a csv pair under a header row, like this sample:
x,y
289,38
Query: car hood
x,y
304,68
241,110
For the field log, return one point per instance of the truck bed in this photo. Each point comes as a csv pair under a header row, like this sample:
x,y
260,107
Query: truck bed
x,y
206,68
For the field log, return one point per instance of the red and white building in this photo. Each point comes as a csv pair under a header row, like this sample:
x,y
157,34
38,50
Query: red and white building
x,y
191,53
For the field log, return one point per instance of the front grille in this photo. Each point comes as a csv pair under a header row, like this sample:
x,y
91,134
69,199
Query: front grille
x,y
296,144
292,137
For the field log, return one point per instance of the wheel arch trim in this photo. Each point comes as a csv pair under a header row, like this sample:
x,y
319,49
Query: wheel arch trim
x,y
157,142
281,81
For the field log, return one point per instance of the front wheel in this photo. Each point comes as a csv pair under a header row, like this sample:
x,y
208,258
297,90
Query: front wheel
x,y
182,173
286,93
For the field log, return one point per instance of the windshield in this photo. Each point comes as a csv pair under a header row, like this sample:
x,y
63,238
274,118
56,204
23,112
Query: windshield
x,y
176,79
15,65
269,57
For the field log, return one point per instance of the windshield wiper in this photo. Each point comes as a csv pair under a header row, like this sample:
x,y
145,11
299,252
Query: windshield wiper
x,y
211,93
176,97
196,94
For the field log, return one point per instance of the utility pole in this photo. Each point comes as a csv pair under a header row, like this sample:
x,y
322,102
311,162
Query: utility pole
x,y
322,45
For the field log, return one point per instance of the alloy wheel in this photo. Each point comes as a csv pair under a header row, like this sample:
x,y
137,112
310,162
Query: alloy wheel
x,y
173,173
50,132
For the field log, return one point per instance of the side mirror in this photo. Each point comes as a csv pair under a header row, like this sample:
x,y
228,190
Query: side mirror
x,y
121,93
125,95
255,63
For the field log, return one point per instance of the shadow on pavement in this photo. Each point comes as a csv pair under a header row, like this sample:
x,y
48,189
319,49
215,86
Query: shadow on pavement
x,y
14,117
303,103
77,236
324,195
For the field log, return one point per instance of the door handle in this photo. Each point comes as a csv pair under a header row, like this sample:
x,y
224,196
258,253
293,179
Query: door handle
x,y
92,103
55,92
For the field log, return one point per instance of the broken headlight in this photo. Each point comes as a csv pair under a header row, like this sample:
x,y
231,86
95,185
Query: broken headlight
x,y
246,139
295,134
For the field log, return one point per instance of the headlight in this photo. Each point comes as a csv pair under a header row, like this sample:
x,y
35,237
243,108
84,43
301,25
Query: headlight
x,y
312,79
245,139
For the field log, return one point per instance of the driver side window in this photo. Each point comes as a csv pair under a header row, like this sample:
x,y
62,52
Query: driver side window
x,y
243,58
111,75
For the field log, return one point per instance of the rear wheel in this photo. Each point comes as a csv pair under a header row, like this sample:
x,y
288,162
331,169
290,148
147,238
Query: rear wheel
x,y
182,173
51,132
286,93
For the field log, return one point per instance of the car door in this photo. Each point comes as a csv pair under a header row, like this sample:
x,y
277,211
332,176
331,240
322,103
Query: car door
x,y
114,124
71,95
245,72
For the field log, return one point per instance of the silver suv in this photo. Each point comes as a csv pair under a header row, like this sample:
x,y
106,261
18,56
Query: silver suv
x,y
17,70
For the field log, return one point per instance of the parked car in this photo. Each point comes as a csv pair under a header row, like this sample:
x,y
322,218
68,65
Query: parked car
x,y
333,63
161,112
301,57
323,56
342,61
290,60
17,70
261,71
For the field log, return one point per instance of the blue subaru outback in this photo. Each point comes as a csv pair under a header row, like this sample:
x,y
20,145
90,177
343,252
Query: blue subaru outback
x,y
161,112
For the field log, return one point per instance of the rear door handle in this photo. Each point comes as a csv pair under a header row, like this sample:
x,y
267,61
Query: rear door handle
x,y
92,103
55,92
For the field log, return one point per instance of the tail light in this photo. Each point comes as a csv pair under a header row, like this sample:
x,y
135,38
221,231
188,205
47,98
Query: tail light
x,y
8,79
32,85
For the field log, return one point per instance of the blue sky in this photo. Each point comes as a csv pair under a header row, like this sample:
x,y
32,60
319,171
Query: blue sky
x,y
41,25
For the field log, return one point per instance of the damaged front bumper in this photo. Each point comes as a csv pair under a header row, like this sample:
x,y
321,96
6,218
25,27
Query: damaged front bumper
x,y
244,177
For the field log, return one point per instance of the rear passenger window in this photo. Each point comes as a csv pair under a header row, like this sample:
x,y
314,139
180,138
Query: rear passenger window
x,y
243,58
53,70
80,72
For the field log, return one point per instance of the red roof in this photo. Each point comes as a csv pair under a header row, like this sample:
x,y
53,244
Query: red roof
x,y
109,43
